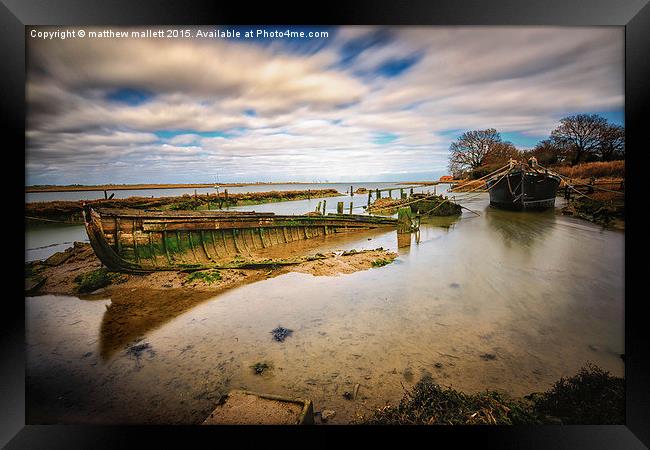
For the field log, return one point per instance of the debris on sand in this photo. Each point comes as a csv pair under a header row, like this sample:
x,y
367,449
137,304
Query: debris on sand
x,y
137,351
348,395
260,367
280,333
488,356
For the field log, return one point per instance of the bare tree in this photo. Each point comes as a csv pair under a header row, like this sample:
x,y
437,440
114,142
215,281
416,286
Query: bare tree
x,y
582,134
612,143
471,149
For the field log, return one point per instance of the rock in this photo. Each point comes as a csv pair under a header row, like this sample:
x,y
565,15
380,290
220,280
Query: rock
x,y
347,395
327,414
58,258
488,356
32,285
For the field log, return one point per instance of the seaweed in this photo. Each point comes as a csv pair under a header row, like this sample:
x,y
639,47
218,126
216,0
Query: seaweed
x,y
91,281
591,397
280,333
206,276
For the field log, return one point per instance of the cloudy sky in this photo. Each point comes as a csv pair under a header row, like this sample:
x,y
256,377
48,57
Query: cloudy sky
x,y
364,103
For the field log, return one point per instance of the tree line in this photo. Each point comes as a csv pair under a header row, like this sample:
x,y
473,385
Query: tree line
x,y
578,138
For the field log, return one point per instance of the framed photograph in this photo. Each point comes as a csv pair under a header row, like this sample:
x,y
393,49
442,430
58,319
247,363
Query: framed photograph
x,y
376,219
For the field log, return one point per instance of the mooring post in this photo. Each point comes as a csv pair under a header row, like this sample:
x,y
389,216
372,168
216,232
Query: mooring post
x,y
369,197
378,194
404,220
401,193
351,191
105,195
411,191
324,205
195,195
318,207
308,194
403,196
339,208
350,207
434,189
390,193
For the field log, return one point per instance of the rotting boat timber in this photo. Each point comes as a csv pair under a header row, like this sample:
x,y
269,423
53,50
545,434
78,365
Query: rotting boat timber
x,y
138,241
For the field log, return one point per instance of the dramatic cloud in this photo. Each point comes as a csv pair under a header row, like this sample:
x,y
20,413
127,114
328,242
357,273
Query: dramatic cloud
x,y
365,103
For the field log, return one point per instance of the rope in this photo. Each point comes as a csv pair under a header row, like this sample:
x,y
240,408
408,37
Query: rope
x,y
479,179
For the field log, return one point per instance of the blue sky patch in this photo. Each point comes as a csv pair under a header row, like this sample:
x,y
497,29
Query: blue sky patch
x,y
130,96
168,134
384,138
395,67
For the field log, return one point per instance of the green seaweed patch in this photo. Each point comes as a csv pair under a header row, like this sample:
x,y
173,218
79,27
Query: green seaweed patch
x,y
381,262
591,397
350,252
430,404
96,279
260,367
206,276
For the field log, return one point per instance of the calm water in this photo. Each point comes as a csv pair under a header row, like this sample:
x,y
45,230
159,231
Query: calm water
x,y
541,292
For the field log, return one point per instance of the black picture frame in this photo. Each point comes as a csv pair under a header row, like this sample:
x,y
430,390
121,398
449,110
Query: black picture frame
x,y
634,15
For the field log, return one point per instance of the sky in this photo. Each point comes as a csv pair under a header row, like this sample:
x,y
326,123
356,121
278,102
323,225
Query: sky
x,y
361,104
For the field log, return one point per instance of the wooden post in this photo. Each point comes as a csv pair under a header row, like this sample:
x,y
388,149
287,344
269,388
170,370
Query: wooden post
x,y
225,193
324,206
105,195
318,207
378,194
339,208
308,194
351,192
369,197
403,196
434,189
208,197
350,207
404,224
390,193
411,191
401,193
195,195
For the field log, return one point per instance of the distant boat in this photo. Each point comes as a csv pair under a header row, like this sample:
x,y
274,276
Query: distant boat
x,y
523,187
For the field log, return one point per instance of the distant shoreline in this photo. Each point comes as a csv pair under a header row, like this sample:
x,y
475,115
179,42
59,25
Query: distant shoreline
x,y
135,187
126,187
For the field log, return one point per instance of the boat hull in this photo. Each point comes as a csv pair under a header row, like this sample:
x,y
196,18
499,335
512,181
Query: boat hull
x,y
519,190
145,241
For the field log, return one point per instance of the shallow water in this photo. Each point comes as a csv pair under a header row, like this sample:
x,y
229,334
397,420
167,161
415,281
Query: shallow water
x,y
505,300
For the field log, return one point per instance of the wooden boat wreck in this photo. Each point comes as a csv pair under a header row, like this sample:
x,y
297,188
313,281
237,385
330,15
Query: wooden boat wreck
x,y
140,241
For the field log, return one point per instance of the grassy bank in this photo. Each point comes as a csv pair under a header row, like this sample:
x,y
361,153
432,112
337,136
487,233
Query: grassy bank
x,y
70,211
591,397
610,169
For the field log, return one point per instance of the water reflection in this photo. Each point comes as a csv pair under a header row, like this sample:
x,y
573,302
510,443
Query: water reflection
x,y
522,229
